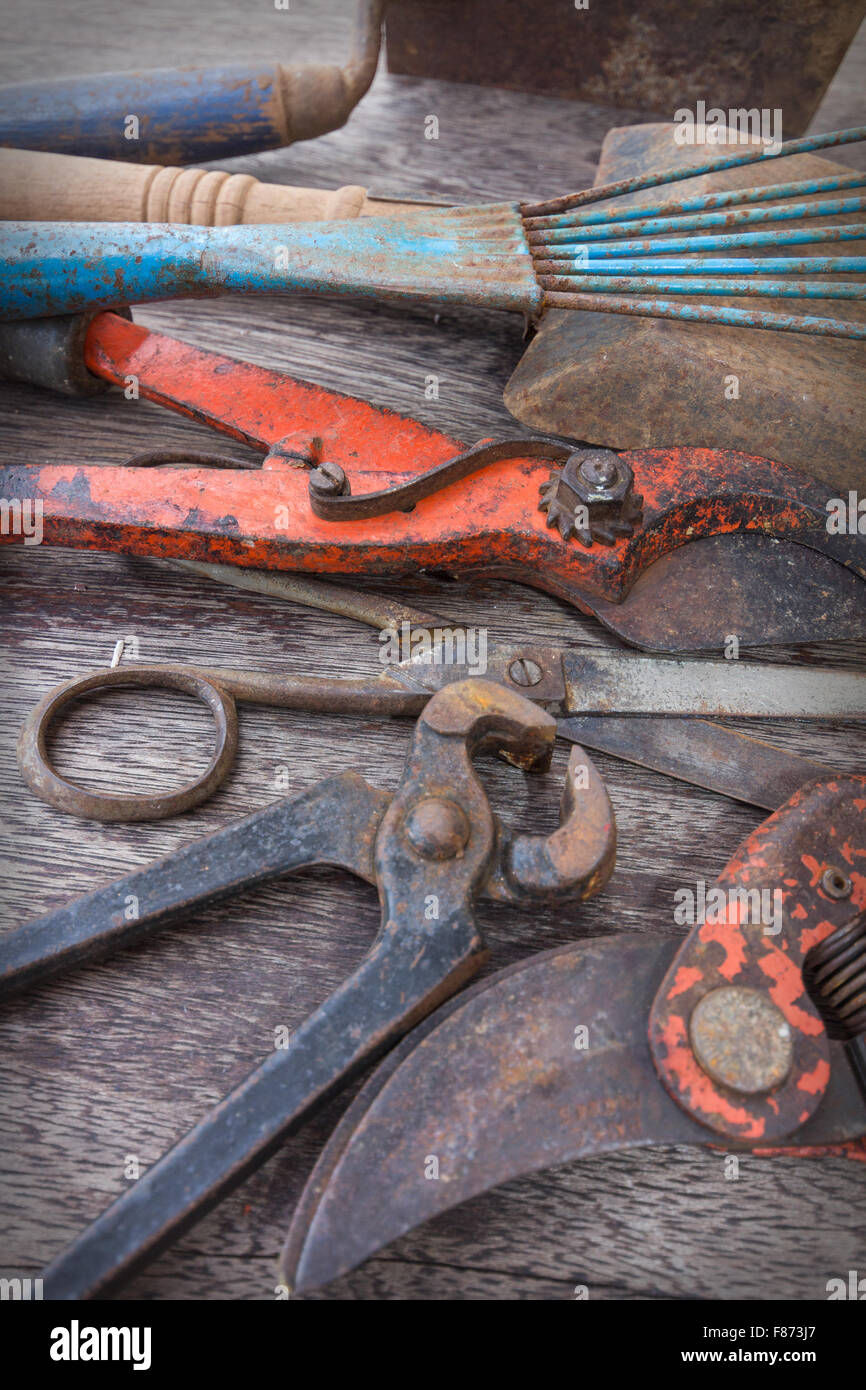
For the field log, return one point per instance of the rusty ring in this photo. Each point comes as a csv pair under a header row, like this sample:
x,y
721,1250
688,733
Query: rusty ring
x,y
43,779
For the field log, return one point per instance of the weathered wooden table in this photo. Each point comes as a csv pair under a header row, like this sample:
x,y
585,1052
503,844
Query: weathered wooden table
x,y
103,1070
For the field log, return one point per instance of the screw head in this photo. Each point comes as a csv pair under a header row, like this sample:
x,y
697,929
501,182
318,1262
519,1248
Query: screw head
x,y
741,1039
524,671
328,480
438,828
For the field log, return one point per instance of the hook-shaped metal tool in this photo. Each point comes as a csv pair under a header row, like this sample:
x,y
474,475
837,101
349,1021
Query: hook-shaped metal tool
x,y
431,849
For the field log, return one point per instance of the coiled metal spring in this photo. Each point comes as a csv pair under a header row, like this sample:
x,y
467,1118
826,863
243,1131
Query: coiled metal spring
x,y
835,976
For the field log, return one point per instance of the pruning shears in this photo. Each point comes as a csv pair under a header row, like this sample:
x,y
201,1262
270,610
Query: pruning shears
x,y
672,549
748,1036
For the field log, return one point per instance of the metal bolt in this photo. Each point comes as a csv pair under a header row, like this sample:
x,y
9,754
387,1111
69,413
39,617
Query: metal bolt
x,y
439,829
525,671
599,469
836,884
741,1039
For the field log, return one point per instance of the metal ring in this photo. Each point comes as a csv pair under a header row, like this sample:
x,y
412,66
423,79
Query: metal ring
x,y
43,779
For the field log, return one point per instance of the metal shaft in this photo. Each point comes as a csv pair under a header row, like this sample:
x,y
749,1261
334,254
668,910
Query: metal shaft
x,y
692,222
699,284
705,313
712,265
702,202
581,250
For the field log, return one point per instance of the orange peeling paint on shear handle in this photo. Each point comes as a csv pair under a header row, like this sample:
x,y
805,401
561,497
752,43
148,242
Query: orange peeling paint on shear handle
x,y
487,523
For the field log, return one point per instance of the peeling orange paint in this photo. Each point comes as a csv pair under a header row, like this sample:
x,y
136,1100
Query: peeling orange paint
x,y
730,938
814,1083
686,977
787,988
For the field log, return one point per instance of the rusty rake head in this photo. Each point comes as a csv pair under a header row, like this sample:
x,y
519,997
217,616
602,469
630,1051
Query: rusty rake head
x,y
524,257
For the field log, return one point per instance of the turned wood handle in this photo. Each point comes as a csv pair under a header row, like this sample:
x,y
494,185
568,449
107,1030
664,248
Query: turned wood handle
x,y
39,187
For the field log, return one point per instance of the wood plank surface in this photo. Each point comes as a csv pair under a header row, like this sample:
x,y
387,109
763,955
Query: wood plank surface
x,y
119,1059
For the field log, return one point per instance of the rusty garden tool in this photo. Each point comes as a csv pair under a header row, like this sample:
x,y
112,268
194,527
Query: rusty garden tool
x,y
454,256
746,1034
431,849
637,383
672,549
524,257
623,382
582,686
183,114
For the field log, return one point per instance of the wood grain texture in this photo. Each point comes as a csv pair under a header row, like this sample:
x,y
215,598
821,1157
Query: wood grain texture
x,y
36,186
121,1058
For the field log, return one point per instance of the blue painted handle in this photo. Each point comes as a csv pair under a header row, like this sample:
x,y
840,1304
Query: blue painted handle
x,y
182,114
66,267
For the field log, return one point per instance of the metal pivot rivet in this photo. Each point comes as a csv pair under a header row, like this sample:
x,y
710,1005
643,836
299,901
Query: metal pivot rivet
x,y
741,1039
524,671
438,828
836,884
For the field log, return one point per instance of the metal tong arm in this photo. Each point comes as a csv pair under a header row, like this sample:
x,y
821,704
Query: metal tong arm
x,y
248,1125
435,845
333,823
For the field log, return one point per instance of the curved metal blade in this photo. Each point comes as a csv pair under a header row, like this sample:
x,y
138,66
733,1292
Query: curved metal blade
x,y
501,1082
494,1086
766,592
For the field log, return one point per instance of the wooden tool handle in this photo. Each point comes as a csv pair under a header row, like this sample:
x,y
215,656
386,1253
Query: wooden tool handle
x,y
40,187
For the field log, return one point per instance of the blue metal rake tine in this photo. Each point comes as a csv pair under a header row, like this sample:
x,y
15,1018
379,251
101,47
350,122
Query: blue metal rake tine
x,y
744,217
702,202
805,144
706,313
651,246
648,284
727,265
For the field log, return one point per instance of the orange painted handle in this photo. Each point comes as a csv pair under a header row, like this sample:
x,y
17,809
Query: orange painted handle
x,y
490,522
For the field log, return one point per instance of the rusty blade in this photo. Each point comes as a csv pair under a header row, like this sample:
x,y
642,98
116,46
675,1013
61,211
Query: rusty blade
x,y
495,1085
763,591
483,1090
703,754
707,755
605,682
588,680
